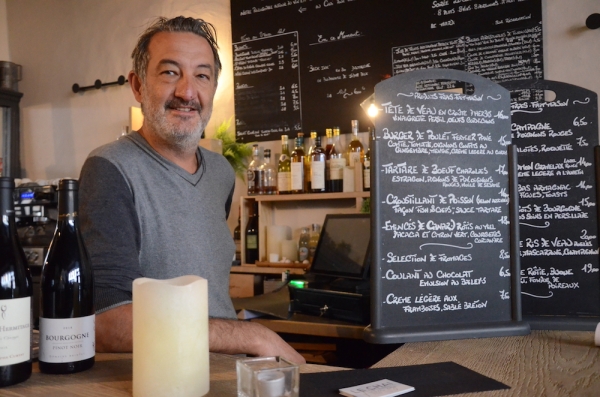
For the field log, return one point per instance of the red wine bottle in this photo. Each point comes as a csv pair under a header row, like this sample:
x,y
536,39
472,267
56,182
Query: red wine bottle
x,y
251,251
16,291
67,316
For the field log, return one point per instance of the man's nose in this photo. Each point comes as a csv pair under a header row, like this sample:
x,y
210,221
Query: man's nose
x,y
185,88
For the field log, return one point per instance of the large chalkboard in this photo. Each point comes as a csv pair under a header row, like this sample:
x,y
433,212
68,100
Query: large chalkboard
x,y
440,208
558,213
308,64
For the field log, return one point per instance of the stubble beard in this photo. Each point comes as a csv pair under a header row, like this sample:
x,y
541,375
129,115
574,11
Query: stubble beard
x,y
182,137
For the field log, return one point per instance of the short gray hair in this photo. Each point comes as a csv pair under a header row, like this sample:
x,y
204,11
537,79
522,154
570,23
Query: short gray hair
x,y
198,26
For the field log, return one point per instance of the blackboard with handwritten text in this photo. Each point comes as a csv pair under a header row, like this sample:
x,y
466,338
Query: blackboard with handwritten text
x,y
441,219
558,215
308,64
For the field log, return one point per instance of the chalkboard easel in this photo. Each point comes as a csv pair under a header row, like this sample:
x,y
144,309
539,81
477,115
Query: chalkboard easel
x,y
444,207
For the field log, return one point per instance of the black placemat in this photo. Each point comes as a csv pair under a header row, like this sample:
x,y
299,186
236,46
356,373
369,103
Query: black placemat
x,y
439,379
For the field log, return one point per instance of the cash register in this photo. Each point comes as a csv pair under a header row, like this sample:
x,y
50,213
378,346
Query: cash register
x,y
338,284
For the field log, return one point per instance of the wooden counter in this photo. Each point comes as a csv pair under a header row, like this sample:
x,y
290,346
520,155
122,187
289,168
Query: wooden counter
x,y
111,377
545,363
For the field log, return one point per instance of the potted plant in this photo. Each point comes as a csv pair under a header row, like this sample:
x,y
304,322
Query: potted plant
x,y
236,153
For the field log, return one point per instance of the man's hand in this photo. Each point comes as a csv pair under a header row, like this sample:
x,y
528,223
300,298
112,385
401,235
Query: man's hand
x,y
114,333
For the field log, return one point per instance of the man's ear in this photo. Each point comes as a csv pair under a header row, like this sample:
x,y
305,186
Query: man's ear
x,y
136,86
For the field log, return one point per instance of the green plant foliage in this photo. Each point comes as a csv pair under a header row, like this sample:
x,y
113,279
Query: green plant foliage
x,y
365,208
235,152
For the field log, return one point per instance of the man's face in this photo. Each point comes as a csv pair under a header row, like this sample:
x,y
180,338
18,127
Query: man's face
x,y
180,85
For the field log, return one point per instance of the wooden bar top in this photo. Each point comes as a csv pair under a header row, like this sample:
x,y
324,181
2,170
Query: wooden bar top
x,y
111,377
545,363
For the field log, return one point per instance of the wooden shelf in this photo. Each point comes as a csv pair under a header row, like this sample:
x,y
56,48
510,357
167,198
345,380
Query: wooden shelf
x,y
296,211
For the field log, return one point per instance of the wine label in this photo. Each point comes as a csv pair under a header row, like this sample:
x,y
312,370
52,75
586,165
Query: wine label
x,y
297,176
336,168
317,175
284,181
15,330
353,157
367,175
251,241
67,339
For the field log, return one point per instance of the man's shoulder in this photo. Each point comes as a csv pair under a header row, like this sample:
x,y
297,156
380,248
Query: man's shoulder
x,y
118,150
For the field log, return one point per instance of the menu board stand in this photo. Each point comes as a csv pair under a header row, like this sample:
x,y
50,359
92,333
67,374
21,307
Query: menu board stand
x,y
445,219
555,128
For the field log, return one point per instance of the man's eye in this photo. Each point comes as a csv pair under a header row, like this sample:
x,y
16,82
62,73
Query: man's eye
x,y
169,72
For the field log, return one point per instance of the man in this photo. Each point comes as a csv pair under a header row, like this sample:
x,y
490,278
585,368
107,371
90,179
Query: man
x,y
154,204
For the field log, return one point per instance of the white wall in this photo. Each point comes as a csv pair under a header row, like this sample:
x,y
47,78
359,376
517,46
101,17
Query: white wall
x,y
62,42
4,52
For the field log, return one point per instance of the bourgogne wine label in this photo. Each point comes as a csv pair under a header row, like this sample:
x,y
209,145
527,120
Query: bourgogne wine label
x,y
67,339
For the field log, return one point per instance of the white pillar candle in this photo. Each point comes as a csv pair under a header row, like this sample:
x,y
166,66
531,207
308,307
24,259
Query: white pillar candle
x,y
289,250
170,337
275,235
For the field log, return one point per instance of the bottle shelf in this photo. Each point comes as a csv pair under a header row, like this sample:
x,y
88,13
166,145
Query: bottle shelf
x,y
296,211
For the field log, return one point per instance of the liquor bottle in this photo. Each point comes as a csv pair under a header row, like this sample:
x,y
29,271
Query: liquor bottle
x,y
237,239
307,158
269,174
313,241
337,162
297,165
355,148
252,171
328,146
284,175
367,166
303,244
317,167
251,250
16,291
67,319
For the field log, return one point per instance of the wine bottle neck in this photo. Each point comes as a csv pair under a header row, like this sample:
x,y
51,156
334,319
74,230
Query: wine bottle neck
x,y
7,213
68,201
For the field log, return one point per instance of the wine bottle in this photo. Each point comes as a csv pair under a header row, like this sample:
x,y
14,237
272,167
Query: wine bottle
x,y
310,146
367,166
67,316
16,291
297,165
337,163
269,174
317,167
251,250
284,176
328,146
252,172
355,147
313,241
303,244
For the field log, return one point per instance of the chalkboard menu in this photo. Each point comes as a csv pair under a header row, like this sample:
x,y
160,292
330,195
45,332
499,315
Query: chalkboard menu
x,y
308,64
558,216
441,223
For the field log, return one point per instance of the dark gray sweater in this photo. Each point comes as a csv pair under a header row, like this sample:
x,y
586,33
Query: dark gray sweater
x,y
143,216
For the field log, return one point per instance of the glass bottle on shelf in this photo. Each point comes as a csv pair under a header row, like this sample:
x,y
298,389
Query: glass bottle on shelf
x,y
303,244
367,166
355,147
317,167
328,146
252,171
237,239
337,162
284,175
297,165
313,241
251,236
269,174
307,159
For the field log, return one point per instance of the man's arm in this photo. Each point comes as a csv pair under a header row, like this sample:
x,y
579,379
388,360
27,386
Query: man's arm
x,y
114,333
